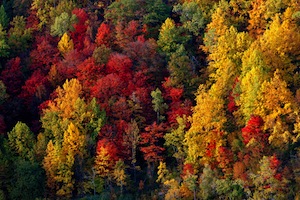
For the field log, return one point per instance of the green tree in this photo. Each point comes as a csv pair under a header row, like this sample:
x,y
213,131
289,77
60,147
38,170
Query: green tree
x,y
170,37
63,23
156,12
123,11
132,139
182,71
27,181
269,184
158,104
175,140
19,36
208,183
48,10
22,141
254,73
4,48
3,94
4,20
191,16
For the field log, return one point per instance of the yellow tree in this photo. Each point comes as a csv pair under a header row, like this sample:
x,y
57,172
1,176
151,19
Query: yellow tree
x,y
257,21
119,174
215,29
207,124
65,44
73,141
226,59
280,45
73,126
50,164
102,162
226,14
277,107
59,162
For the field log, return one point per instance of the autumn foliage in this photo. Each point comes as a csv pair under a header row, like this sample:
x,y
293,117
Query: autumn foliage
x,y
149,99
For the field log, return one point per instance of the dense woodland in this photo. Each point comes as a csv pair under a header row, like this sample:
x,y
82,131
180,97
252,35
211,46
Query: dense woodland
x,y
149,99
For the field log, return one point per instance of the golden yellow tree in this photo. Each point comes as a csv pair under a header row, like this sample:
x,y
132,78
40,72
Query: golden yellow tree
x,y
277,107
72,125
280,45
50,164
226,60
207,123
65,44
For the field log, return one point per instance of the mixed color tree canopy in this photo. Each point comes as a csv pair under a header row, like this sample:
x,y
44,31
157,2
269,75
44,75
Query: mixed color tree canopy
x,y
149,99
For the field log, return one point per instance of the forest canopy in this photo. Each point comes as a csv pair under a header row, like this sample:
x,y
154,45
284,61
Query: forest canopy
x,y
149,99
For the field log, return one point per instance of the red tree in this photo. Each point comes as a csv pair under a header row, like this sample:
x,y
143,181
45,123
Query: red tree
x,y
104,35
12,76
35,87
44,55
80,28
150,141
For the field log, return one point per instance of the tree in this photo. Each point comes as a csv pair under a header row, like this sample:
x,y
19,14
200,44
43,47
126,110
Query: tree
x,y
191,16
276,105
119,174
63,23
151,148
80,28
158,104
3,94
106,158
65,44
44,56
182,72
175,139
72,125
22,141
4,48
132,139
122,11
127,33
51,163
279,49
268,182
226,59
104,35
170,37
156,12
208,181
28,180
4,20
101,54
12,76
35,88
254,73
48,10
207,126
19,36
257,22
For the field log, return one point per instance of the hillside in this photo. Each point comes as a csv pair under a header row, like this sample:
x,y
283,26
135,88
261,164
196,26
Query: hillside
x,y
149,99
